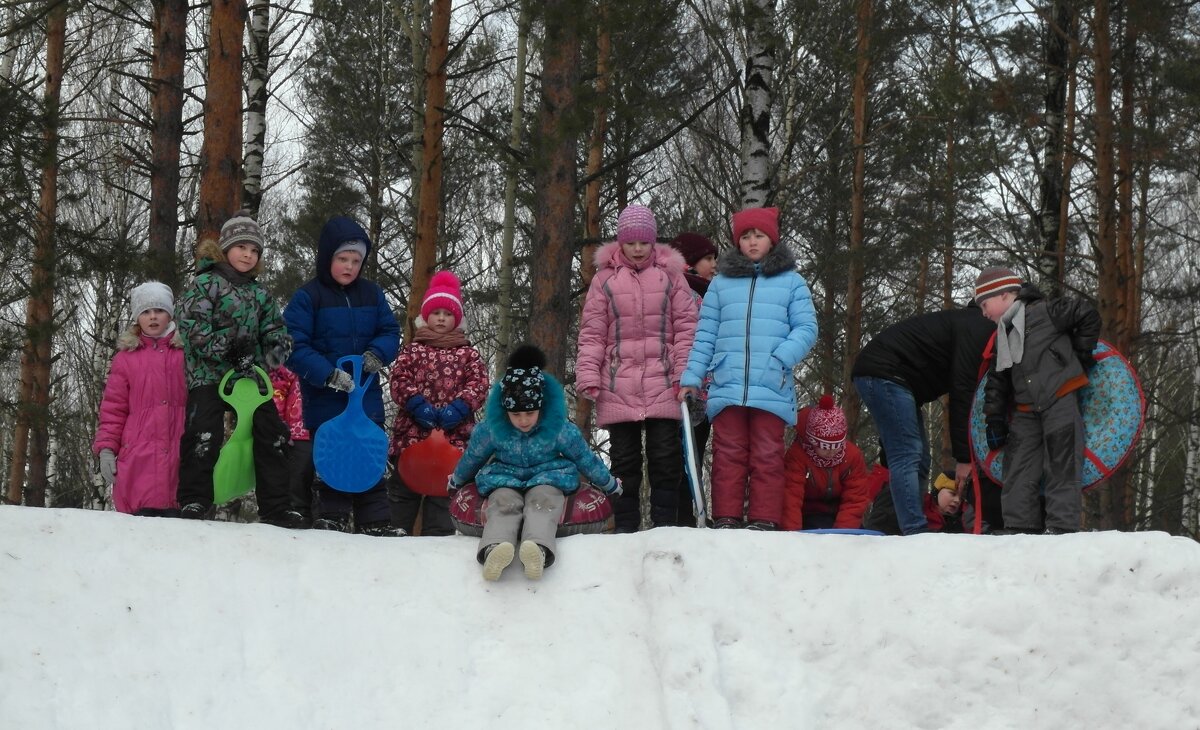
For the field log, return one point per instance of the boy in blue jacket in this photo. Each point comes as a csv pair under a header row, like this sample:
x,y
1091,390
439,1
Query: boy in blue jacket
x,y
756,324
335,314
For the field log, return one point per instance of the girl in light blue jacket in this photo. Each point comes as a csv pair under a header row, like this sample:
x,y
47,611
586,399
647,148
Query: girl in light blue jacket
x,y
756,324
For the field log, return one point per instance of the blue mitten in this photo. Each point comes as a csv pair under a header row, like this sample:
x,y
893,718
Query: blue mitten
x,y
421,412
453,414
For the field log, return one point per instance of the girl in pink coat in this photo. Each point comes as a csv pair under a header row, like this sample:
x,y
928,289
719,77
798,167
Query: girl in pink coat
x,y
634,337
141,414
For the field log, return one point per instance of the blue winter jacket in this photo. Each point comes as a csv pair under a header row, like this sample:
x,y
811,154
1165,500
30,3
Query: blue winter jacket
x,y
554,452
756,324
329,321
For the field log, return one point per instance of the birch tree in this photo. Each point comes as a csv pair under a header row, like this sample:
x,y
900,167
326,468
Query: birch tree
x,y
756,105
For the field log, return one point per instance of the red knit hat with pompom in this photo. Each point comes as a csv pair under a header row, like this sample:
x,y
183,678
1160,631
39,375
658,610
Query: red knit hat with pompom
x,y
444,292
827,424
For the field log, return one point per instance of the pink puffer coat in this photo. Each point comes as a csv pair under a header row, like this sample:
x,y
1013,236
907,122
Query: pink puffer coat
x,y
635,335
141,420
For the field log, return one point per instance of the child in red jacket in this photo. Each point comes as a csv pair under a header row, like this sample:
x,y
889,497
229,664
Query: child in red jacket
x,y
438,381
827,485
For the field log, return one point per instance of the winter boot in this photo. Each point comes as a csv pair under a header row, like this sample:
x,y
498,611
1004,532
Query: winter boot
x,y
496,558
333,523
762,526
382,528
533,557
194,511
727,523
288,518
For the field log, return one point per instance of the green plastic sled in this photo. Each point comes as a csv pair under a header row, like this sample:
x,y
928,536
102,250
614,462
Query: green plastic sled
x,y
233,476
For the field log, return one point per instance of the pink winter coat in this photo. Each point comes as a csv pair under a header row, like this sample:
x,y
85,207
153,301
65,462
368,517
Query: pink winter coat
x,y
441,374
635,335
141,420
288,403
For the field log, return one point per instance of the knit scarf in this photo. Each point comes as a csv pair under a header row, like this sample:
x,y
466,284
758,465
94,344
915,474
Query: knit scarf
x,y
811,450
453,338
1010,337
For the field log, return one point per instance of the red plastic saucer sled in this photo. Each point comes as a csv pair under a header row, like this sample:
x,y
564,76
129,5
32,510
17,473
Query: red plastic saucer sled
x,y
587,511
427,464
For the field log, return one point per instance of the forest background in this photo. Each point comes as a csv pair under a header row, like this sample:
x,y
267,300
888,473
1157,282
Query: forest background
x,y
908,143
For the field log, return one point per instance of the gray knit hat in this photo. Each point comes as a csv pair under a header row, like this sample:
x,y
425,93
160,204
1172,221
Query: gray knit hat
x,y
151,295
241,228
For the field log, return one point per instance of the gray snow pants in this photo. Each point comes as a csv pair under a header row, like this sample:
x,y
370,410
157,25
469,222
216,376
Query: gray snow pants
x,y
1044,447
529,515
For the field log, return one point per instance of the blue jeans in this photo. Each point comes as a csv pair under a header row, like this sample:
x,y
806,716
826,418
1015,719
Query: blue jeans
x,y
902,433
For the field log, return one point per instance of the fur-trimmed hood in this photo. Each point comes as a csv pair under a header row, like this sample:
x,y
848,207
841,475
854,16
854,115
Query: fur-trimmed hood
x,y
550,420
209,255
131,338
736,264
661,255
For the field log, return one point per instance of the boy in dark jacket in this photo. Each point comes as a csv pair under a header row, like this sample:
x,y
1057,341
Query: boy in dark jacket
x,y
1042,354
336,314
906,366
228,320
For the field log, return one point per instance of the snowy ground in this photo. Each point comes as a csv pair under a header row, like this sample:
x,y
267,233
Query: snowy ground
x,y
113,622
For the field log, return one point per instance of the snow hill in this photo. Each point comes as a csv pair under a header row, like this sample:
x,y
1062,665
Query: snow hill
x,y
116,622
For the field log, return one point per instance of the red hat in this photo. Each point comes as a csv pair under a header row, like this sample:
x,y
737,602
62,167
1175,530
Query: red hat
x,y
827,424
444,292
764,219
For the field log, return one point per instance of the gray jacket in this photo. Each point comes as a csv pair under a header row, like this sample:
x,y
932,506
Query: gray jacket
x,y
1060,335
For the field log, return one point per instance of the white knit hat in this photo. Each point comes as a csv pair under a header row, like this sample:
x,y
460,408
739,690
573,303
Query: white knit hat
x,y
151,295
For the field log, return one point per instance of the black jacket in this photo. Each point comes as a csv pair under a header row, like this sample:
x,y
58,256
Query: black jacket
x,y
1060,335
933,354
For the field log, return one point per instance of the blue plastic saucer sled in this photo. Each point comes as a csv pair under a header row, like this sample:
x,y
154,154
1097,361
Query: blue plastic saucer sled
x,y
233,475
350,450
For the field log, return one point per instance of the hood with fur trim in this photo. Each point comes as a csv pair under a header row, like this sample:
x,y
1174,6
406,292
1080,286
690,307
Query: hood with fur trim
x,y
661,255
131,338
736,264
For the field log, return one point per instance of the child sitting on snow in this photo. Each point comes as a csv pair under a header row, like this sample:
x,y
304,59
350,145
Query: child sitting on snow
x,y
525,457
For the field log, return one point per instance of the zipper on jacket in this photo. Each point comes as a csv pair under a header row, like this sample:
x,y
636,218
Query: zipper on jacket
x,y
353,329
749,312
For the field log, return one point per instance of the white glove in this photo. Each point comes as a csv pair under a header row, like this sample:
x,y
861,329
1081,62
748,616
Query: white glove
x,y
108,466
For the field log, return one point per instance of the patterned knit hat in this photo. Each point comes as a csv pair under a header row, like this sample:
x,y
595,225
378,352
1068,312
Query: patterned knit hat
x,y
826,430
636,223
444,292
151,295
694,247
995,280
764,219
522,384
241,228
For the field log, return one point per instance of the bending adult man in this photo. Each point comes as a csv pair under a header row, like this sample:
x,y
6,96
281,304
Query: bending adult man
x,y
906,366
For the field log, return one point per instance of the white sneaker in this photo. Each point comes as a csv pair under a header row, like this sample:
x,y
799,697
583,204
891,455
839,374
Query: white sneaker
x,y
533,558
498,558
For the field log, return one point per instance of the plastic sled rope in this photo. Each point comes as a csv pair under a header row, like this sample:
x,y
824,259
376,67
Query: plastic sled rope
x,y
233,475
587,511
425,466
691,467
1112,406
350,450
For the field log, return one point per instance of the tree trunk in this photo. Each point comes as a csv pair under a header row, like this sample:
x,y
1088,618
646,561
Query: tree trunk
x,y
32,431
256,104
756,108
854,288
591,193
430,201
555,183
415,22
1190,509
1064,206
1058,24
166,72
516,125
221,155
